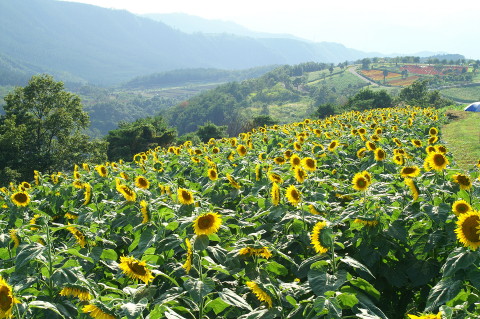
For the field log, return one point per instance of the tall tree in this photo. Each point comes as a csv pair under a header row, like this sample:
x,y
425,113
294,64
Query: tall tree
x,y
43,127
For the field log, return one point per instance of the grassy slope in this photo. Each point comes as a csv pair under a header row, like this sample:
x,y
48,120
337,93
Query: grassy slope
x,y
462,135
464,94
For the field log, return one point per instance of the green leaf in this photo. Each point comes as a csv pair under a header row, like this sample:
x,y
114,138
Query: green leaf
x,y
276,268
201,242
321,282
45,305
459,259
217,305
75,252
27,254
147,239
132,310
445,290
109,254
233,299
199,289
347,300
170,314
365,286
291,300
355,264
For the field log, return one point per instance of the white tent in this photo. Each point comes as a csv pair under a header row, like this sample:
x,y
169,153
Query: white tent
x,y
474,107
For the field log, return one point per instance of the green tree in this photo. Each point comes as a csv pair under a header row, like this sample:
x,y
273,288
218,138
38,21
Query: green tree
x,y
131,138
325,110
43,129
418,94
368,99
385,74
210,130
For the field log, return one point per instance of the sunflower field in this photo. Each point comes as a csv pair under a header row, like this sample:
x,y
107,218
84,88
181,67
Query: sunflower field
x,y
360,215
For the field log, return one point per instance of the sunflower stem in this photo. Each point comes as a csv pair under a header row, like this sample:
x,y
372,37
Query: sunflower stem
x,y
50,263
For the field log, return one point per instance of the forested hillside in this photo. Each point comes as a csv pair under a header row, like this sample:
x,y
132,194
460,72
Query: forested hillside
x,y
81,42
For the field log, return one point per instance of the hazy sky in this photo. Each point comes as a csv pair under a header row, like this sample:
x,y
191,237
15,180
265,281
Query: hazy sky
x,y
405,27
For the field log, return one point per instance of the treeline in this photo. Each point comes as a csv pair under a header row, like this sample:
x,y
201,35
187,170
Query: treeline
x,y
198,75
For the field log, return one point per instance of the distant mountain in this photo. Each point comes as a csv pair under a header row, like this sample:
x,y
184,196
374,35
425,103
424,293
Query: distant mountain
x,y
193,24
104,46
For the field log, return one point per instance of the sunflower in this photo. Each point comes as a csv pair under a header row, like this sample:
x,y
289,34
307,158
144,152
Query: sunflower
x,y
433,131
433,140
297,146
144,211
206,224
441,149
33,222
468,229
258,172
416,143
426,316
361,152
250,251
7,300
398,159
461,207
97,312
13,235
188,262
275,193
397,141
101,170
24,186
413,188
370,146
295,160
362,131
436,161
20,199
309,164
293,195
300,174
366,222
212,174
79,236
135,269
313,210
462,180
333,145
260,293
87,193
430,149
360,181
279,160
185,197
288,154
78,291
410,171
36,177
142,182
241,150
232,181
128,193
379,154
315,237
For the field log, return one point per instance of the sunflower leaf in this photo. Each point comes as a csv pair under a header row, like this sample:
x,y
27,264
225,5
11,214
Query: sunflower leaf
x,y
28,253
459,259
132,310
233,299
45,305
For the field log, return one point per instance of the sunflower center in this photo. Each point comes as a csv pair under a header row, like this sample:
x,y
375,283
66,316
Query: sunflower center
x,y
409,170
469,229
462,208
142,182
5,299
205,222
310,163
137,268
439,160
361,183
21,197
295,195
128,191
463,180
186,196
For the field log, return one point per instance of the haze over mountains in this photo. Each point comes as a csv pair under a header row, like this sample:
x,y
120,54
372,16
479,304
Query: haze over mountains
x,y
78,42
83,43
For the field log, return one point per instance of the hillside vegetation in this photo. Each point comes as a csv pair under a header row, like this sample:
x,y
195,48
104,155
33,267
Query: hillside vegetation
x,y
363,214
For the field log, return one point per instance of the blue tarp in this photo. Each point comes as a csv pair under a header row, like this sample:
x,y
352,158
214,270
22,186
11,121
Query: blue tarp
x,y
474,107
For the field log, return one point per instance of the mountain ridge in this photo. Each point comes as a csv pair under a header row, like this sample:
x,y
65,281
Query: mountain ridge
x,y
106,46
